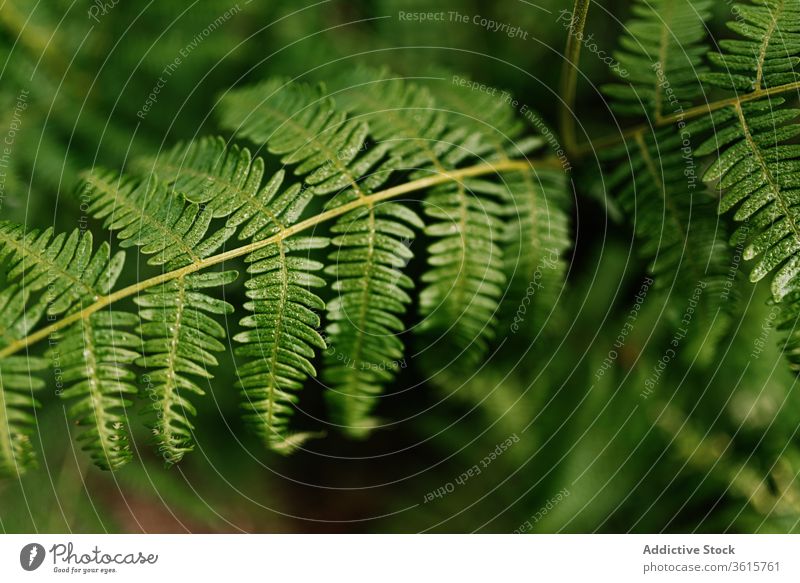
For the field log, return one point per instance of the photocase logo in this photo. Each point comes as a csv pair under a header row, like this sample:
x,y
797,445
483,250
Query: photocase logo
x,y
31,556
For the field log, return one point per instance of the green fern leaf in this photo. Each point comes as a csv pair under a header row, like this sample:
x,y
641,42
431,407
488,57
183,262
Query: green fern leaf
x,y
537,237
95,355
465,278
281,338
373,245
62,266
490,114
654,179
767,54
281,335
180,338
332,153
749,147
753,161
537,225
65,271
299,123
147,214
677,226
758,173
207,171
17,383
661,56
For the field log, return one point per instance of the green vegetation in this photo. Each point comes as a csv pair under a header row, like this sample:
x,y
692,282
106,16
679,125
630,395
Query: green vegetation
x,y
269,267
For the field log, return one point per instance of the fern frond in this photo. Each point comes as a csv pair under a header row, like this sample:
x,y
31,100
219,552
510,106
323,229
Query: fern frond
x,y
173,218
299,123
65,271
147,214
373,245
62,265
405,118
503,133
465,276
654,179
95,356
758,173
537,237
768,52
750,148
179,339
17,383
281,335
662,56
332,152
225,178
281,338
537,225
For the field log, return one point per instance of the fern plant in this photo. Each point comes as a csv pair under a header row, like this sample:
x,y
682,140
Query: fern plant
x,y
335,230
736,144
311,287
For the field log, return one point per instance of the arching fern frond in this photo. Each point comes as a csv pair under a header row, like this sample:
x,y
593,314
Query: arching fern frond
x,y
207,171
180,337
64,270
752,160
365,353
675,222
537,225
332,152
205,193
281,337
18,380
17,383
298,122
654,178
63,266
537,237
94,357
465,276
766,55
661,56
759,174
147,214
490,114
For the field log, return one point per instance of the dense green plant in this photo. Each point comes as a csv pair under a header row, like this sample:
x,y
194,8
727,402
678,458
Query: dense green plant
x,y
203,205
332,228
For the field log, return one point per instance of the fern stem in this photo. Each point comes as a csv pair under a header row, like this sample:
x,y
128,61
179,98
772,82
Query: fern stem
x,y
762,51
136,288
276,336
691,113
569,74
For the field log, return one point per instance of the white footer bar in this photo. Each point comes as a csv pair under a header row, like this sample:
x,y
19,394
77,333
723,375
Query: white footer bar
x,y
401,558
